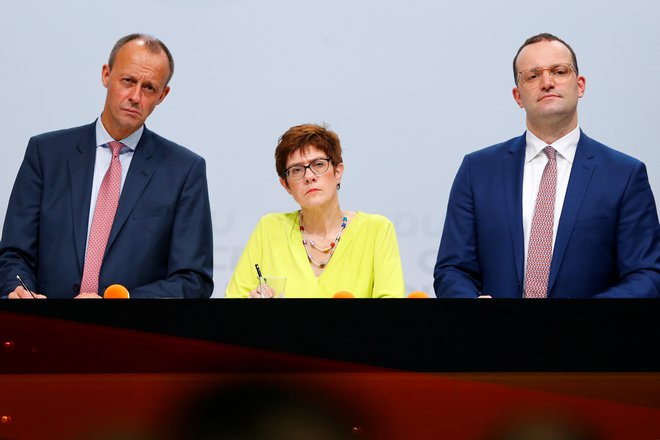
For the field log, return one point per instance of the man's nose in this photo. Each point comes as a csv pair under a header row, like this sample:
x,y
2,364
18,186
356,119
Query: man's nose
x,y
547,80
136,94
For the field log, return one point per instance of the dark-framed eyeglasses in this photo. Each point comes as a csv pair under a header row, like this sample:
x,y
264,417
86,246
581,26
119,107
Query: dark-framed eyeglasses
x,y
317,166
531,78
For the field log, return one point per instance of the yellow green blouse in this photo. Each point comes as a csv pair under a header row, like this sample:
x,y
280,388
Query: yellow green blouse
x,y
366,261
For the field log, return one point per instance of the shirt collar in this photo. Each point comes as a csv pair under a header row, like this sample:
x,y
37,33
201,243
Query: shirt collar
x,y
565,146
103,137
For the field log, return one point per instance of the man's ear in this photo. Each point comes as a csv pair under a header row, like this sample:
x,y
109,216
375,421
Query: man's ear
x,y
516,96
582,86
166,91
105,75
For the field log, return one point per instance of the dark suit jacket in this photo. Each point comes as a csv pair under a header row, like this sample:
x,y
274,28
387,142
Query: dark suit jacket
x,y
608,238
161,242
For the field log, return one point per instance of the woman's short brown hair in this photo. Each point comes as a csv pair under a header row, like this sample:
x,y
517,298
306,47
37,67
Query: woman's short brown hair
x,y
300,138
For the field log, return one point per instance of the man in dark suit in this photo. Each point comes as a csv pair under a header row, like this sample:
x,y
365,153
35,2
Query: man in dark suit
x,y
552,213
111,202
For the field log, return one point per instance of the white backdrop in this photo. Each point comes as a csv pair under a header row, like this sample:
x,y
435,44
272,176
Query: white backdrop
x,y
410,87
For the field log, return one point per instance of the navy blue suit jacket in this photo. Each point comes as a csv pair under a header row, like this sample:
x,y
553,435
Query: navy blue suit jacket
x,y
608,238
160,245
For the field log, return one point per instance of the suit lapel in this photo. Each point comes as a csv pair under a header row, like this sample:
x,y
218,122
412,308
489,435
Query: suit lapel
x,y
578,182
513,178
81,173
139,174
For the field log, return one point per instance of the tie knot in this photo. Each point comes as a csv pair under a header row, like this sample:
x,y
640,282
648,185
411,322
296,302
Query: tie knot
x,y
116,147
550,152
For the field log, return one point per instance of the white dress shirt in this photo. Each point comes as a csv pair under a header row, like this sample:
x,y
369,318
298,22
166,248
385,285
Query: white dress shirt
x,y
103,159
535,161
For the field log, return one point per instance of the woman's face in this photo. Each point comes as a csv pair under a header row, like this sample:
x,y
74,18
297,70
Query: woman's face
x,y
312,190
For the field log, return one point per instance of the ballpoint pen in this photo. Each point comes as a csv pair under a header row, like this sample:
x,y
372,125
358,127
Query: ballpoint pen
x,y
256,266
18,277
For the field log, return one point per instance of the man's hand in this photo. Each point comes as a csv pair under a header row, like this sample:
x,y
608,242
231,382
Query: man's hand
x,y
20,293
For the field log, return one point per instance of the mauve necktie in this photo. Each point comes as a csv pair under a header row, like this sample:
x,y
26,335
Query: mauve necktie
x,y
104,215
539,253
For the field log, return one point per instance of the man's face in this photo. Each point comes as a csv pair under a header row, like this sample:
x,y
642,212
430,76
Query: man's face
x,y
548,101
136,85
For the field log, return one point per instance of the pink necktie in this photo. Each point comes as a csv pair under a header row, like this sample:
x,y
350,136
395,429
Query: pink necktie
x,y
539,253
104,215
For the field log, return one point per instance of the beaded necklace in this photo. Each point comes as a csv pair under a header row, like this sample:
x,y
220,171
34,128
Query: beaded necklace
x,y
329,250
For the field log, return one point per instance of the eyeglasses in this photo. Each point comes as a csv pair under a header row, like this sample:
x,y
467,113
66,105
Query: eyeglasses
x,y
531,78
317,166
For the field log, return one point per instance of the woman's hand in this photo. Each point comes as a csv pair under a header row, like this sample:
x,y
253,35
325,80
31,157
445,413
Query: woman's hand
x,y
262,292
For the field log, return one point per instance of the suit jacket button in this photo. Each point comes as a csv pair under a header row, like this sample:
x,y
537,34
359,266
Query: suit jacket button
x,y
76,288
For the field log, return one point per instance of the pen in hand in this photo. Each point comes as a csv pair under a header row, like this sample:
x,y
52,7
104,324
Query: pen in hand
x,y
20,280
256,266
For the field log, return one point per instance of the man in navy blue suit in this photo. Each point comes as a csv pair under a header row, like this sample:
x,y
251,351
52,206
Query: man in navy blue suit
x,y
159,242
587,227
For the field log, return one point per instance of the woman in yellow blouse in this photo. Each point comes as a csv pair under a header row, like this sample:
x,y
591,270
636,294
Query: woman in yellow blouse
x,y
320,249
